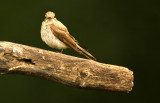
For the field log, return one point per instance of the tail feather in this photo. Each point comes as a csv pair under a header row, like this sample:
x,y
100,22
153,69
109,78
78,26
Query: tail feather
x,y
85,53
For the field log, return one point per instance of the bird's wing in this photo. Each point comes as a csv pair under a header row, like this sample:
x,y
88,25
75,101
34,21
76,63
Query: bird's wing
x,y
63,35
62,27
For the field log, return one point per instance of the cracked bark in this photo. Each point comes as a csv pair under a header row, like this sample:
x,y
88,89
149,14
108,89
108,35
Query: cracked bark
x,y
65,69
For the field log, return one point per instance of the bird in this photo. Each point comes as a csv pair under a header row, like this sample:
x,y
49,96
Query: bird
x,y
56,35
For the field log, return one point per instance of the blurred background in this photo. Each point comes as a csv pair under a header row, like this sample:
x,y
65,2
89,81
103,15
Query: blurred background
x,y
119,32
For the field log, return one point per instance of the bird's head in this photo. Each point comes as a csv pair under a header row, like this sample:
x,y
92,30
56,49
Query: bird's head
x,y
50,15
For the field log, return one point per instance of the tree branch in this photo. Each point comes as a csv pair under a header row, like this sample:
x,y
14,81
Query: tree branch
x,y
69,70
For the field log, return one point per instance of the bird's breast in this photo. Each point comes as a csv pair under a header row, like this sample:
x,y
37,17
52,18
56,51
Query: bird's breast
x,y
49,38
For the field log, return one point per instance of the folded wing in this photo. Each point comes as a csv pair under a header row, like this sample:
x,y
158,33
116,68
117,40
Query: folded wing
x,y
63,35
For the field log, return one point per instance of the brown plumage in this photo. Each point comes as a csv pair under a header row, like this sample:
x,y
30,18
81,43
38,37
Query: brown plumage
x,y
59,32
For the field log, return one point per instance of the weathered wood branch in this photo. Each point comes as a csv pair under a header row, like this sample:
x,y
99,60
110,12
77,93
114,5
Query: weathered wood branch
x,y
69,70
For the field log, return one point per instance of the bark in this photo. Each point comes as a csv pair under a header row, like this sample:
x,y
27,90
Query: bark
x,y
65,69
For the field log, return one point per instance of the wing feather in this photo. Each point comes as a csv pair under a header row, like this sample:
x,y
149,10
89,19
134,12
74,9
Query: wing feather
x,y
63,35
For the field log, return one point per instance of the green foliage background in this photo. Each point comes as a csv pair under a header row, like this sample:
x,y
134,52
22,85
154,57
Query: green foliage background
x,y
120,32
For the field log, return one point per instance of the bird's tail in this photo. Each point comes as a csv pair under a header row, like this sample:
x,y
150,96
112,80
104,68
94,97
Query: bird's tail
x,y
85,53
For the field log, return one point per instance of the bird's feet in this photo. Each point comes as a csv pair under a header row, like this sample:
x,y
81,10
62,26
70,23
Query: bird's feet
x,y
61,51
